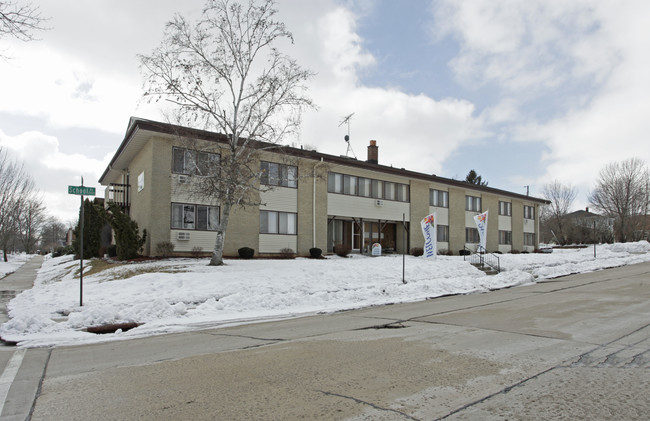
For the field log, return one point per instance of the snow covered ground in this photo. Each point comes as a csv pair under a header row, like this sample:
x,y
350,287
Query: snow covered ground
x,y
14,262
185,294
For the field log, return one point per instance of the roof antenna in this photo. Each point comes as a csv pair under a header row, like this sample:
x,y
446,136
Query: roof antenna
x,y
347,136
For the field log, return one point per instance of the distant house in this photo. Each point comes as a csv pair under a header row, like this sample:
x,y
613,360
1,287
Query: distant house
x,y
316,200
584,226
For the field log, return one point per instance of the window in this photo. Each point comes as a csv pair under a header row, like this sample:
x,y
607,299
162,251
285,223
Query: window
x,y
191,162
529,239
366,187
403,192
272,222
443,233
529,212
505,237
389,190
439,198
279,174
199,217
377,189
350,185
472,203
471,236
505,209
334,182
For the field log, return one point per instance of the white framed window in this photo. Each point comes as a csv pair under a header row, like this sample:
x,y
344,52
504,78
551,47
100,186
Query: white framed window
x,y
280,175
505,237
365,187
350,185
529,212
443,233
438,198
141,181
272,222
194,217
189,162
473,203
389,190
471,236
529,239
505,208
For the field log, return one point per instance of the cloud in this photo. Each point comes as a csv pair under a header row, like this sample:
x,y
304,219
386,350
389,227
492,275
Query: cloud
x,y
571,75
53,170
431,128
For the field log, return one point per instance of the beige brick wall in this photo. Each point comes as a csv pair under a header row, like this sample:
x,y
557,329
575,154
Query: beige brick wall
x,y
456,219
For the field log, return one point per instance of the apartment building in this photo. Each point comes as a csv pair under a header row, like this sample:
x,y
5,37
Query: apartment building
x,y
309,199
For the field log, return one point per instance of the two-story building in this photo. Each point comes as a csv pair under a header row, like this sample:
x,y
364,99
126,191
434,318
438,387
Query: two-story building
x,y
310,199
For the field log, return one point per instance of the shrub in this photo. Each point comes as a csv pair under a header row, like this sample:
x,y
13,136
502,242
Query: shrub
x,y
287,253
61,251
112,250
514,251
197,251
417,251
315,253
246,253
127,235
464,252
164,248
342,250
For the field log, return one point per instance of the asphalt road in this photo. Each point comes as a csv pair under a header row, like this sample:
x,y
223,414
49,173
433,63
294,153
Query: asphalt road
x,y
573,348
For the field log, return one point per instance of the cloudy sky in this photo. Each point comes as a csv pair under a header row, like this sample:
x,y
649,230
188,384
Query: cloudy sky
x,y
522,92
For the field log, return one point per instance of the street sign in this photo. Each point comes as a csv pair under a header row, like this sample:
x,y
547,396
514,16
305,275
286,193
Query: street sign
x,y
82,190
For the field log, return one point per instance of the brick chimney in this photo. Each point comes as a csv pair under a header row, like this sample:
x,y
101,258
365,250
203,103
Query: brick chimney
x,y
373,153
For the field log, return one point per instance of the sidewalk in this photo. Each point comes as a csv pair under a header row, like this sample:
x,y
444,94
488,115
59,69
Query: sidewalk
x,y
15,283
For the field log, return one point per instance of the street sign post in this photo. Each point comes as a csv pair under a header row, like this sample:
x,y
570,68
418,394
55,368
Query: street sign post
x,y
83,191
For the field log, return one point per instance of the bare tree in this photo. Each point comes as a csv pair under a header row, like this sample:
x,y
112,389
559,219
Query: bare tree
x,y
20,20
16,187
31,216
623,192
224,73
53,234
561,197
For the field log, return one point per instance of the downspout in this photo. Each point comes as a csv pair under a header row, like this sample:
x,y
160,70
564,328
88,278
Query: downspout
x,y
313,207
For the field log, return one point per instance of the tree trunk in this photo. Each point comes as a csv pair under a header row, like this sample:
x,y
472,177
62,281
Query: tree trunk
x,y
217,253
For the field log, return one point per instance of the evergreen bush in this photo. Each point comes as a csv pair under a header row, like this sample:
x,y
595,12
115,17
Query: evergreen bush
x,y
342,250
417,251
315,252
246,253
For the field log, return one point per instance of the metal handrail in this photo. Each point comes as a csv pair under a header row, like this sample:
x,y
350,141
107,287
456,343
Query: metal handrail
x,y
481,258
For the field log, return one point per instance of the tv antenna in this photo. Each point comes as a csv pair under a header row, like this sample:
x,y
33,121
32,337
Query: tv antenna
x,y
346,120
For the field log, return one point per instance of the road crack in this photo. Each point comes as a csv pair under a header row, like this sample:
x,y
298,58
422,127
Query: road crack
x,y
372,405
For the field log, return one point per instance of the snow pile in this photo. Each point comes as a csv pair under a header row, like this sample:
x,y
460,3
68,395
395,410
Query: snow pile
x,y
184,294
14,262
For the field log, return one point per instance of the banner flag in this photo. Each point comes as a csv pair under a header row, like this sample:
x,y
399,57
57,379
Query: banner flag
x,y
482,223
430,230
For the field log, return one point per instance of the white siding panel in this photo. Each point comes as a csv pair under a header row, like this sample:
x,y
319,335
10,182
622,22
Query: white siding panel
x,y
188,192
505,223
505,248
203,239
271,243
442,214
280,199
529,225
365,207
